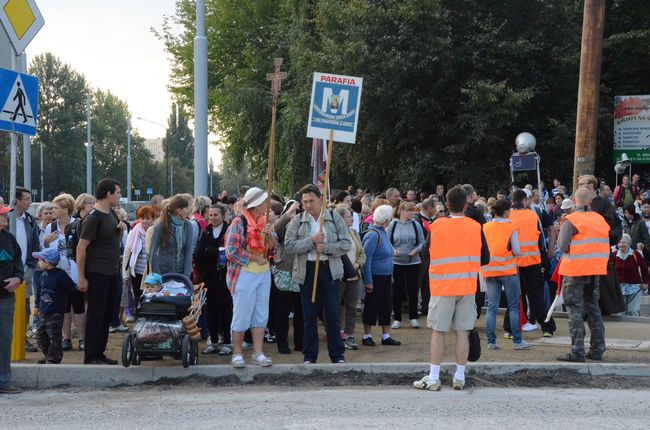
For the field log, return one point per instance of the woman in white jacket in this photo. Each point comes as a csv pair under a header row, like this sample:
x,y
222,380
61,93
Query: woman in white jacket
x,y
135,260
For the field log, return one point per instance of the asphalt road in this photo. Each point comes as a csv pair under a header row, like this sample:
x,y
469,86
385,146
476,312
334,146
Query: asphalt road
x,y
265,407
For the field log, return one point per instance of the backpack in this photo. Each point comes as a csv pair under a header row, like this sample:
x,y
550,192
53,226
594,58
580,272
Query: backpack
x,y
363,234
415,229
72,231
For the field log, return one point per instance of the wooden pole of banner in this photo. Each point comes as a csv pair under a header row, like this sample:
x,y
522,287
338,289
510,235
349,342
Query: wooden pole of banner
x,y
276,80
322,211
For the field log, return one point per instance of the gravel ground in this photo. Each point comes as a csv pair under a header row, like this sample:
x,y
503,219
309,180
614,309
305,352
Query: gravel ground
x,y
265,407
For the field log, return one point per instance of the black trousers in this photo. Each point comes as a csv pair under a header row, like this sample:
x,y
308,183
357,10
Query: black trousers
x,y
218,307
285,303
376,309
136,283
425,291
101,303
405,277
532,286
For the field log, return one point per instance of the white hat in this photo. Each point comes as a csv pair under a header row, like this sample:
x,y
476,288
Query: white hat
x,y
529,194
566,204
254,197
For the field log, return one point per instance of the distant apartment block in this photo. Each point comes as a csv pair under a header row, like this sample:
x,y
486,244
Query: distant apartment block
x,y
155,146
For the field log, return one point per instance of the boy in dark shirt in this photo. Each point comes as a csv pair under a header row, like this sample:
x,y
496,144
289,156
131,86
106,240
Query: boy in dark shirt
x,y
52,302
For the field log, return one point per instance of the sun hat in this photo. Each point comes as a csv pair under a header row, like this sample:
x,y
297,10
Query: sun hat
x,y
254,197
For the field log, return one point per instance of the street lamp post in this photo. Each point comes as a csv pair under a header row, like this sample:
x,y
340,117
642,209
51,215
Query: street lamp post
x,y
89,151
42,175
128,159
200,102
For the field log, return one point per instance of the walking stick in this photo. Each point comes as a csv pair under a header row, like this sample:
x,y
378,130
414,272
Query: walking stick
x,y
322,213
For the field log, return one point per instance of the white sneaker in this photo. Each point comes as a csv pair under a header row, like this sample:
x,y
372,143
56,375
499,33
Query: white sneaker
x,y
396,325
529,327
238,362
415,323
425,384
522,345
262,360
494,346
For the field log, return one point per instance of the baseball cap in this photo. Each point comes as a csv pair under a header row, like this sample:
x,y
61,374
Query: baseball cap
x,y
4,209
153,278
254,197
529,194
51,255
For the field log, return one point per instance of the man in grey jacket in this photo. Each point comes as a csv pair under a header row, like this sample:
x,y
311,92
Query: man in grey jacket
x,y
304,240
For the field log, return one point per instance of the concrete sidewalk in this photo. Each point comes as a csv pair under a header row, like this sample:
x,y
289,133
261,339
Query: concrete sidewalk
x,y
70,375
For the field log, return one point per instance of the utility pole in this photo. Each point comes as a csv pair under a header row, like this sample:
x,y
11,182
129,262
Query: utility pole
x,y
27,140
42,175
591,55
89,151
200,103
128,158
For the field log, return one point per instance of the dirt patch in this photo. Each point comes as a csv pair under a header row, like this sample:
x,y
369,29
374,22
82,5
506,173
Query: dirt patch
x,y
562,378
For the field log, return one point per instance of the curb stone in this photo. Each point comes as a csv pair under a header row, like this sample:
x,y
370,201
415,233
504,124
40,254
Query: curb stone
x,y
88,376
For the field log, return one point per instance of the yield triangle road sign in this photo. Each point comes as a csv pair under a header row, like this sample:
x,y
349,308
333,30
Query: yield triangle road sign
x,y
19,101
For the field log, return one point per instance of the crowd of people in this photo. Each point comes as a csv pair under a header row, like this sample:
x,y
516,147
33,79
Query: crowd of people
x,y
268,261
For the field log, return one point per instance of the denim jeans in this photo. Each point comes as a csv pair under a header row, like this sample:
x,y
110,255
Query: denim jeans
x,y
6,333
511,287
329,297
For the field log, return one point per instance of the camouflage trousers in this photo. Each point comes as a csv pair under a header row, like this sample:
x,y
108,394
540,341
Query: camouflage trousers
x,y
50,337
581,295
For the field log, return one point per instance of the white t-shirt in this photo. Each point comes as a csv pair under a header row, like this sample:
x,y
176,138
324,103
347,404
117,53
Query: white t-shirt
x,y
315,227
21,236
65,264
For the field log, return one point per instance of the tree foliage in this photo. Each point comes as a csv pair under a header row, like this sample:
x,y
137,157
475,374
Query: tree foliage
x,y
62,129
448,84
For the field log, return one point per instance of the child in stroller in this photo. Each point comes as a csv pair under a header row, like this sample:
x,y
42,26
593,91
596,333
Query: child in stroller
x,y
158,328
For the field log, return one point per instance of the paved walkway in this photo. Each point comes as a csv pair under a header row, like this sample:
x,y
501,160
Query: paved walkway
x,y
627,343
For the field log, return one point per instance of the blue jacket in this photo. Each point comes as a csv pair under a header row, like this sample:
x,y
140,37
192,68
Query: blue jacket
x,y
379,254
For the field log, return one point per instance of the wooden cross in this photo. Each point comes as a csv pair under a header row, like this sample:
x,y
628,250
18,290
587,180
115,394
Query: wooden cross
x,y
276,80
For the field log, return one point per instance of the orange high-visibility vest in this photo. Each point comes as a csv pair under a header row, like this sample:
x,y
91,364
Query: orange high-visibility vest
x,y
526,222
502,261
455,253
589,249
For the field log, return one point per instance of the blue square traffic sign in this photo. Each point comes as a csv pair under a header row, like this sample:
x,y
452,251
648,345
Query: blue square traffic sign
x,y
19,102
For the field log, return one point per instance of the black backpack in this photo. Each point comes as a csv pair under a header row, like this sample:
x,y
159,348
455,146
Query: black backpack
x,y
72,232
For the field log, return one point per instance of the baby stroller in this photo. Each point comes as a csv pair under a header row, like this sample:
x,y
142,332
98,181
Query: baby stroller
x,y
159,327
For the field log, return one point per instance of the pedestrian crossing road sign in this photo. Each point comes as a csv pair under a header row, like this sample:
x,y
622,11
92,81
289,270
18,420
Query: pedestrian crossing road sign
x,y
19,101
335,102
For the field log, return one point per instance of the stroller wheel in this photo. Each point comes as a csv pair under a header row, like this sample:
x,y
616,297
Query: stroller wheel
x,y
127,350
186,352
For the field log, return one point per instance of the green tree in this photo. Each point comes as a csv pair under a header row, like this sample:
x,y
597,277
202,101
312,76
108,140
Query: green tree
x,y
448,84
61,126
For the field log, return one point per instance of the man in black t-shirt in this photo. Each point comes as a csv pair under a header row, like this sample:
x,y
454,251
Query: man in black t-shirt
x,y
98,267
